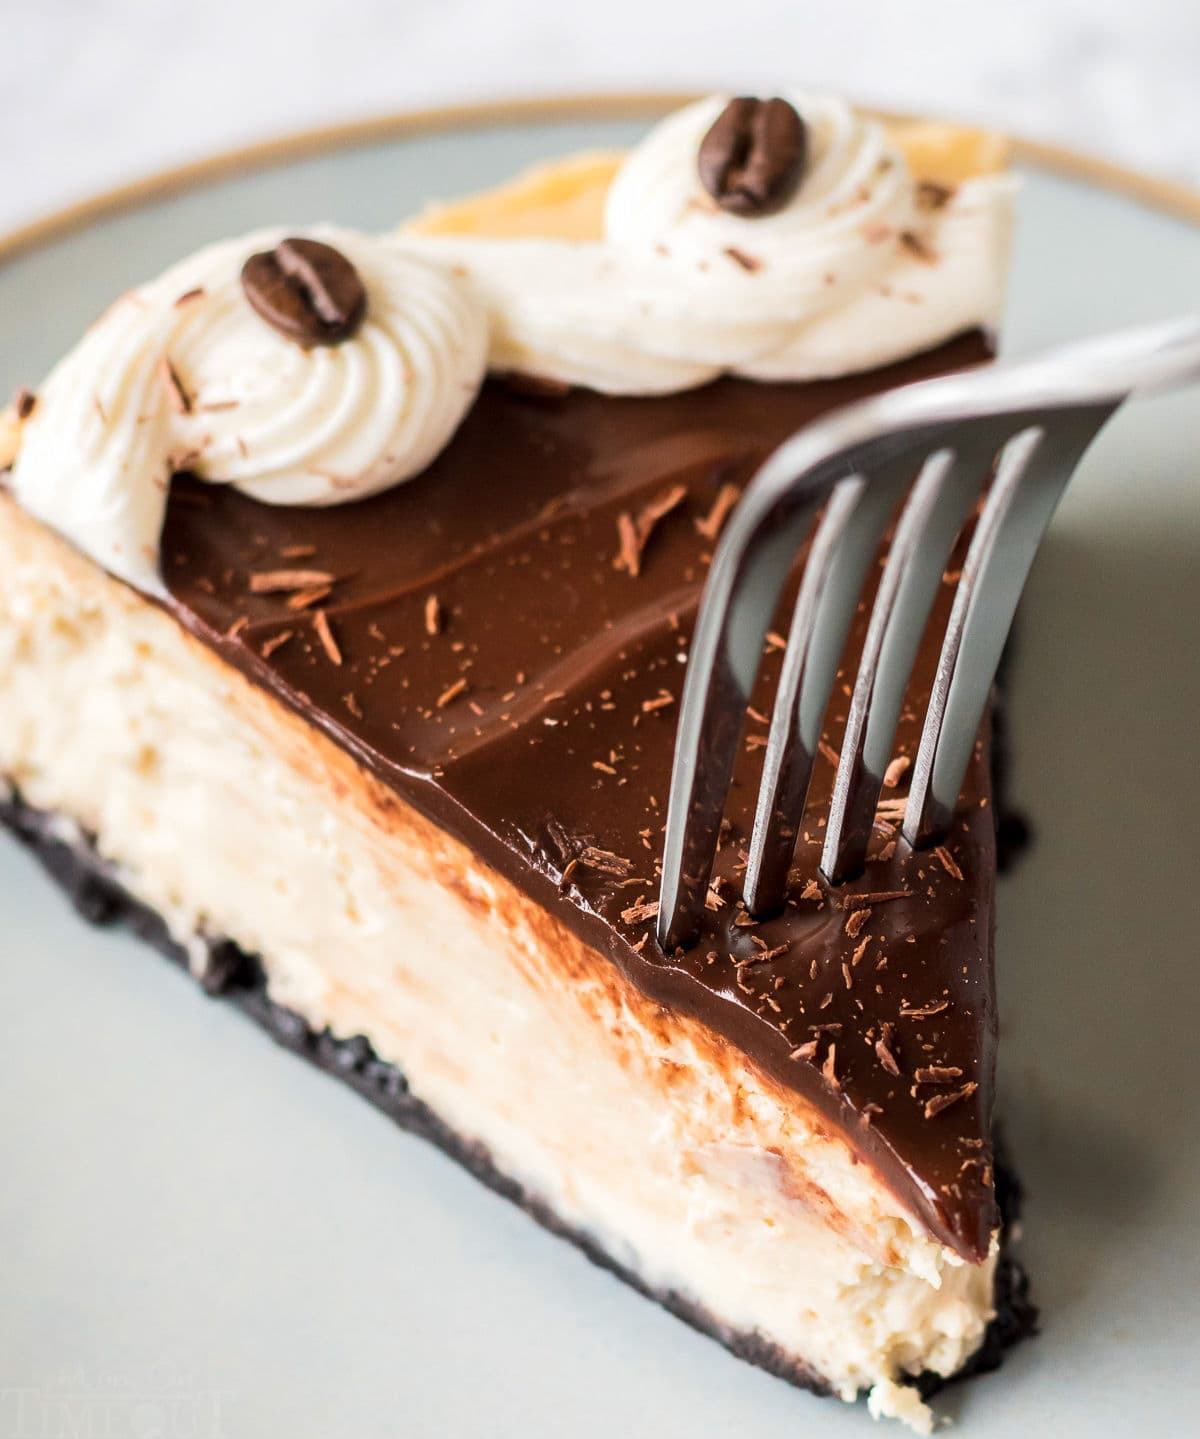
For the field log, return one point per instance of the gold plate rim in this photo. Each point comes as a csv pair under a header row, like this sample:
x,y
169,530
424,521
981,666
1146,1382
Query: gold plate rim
x,y
1168,196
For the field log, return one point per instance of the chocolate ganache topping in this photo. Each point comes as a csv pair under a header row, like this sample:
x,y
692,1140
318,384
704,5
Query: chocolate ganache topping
x,y
503,641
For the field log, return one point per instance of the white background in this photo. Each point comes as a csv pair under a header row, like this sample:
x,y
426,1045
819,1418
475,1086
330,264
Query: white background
x,y
93,92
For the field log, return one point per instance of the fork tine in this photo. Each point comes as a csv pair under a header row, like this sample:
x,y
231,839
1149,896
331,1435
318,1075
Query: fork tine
x,y
1072,392
940,500
843,552
755,556
791,746
1032,473
749,570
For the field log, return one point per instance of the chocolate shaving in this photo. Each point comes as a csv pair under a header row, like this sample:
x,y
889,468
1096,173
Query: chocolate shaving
x,y
942,1102
637,912
937,1074
237,627
918,247
740,257
947,862
828,1069
604,861
807,1050
885,1052
304,599
273,582
276,642
764,956
856,921
895,770
664,699
710,527
933,196
875,896
629,556
449,695
351,702
325,635
177,397
433,616
634,534
659,508
925,1011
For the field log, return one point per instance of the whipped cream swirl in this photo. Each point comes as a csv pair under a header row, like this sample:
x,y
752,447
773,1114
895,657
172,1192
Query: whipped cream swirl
x,y
182,374
852,273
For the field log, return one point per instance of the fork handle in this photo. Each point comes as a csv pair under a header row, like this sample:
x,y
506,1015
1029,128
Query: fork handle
x,y
1139,360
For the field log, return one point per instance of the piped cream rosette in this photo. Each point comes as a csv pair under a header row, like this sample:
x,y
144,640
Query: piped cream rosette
x,y
619,273
864,265
183,374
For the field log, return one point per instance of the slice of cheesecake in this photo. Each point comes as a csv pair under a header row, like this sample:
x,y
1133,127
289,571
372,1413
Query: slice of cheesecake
x,y
391,775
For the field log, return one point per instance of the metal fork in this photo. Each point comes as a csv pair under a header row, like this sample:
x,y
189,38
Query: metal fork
x,y
1023,426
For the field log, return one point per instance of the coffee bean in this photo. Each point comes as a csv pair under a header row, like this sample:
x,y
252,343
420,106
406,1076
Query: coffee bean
x,y
752,158
307,290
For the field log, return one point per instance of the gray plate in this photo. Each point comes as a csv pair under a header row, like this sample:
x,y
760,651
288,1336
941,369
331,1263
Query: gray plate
x,y
201,1237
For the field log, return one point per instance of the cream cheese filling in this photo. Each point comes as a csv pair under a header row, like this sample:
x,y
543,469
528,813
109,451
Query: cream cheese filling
x,y
230,817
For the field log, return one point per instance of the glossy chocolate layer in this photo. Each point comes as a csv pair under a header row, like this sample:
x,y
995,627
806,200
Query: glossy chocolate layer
x,y
481,650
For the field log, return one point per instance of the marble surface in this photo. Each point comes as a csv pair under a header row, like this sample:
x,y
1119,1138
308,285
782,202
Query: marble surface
x,y
101,91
